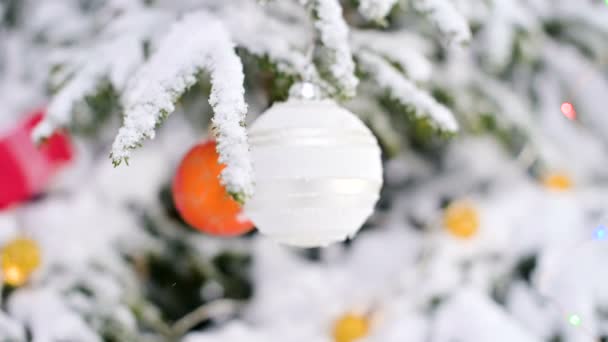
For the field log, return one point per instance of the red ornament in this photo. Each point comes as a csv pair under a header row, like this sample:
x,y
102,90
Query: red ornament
x,y
201,199
26,169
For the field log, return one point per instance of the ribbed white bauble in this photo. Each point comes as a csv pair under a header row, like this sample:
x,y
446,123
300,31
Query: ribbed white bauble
x,y
318,173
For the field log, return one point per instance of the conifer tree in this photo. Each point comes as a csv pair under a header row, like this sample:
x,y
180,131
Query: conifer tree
x,y
489,225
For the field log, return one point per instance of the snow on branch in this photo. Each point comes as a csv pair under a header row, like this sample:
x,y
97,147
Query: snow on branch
x,y
266,37
494,323
101,66
195,43
376,10
332,50
405,92
407,53
448,20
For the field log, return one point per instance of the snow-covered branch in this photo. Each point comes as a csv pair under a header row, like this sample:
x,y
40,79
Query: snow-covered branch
x,y
332,51
195,43
405,92
493,323
376,10
408,53
100,67
266,37
448,20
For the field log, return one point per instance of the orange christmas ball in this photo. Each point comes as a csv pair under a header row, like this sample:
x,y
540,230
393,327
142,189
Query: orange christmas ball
x,y
201,199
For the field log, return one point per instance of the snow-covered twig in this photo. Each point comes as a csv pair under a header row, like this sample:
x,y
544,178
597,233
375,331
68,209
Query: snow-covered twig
x,y
215,309
100,66
332,51
404,91
408,53
376,10
195,43
447,19
266,37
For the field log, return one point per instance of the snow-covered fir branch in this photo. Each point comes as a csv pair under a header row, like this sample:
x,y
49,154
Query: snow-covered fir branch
x,y
99,67
510,22
405,92
408,54
442,13
376,10
196,43
266,37
332,52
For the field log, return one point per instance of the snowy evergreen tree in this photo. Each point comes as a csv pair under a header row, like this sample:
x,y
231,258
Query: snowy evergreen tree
x,y
490,117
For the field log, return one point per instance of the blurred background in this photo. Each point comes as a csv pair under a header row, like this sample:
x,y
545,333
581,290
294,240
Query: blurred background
x,y
491,221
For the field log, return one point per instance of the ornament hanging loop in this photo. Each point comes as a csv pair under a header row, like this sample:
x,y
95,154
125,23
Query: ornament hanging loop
x,y
307,89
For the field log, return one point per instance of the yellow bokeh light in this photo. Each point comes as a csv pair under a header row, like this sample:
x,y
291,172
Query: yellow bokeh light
x,y
461,219
350,327
13,276
557,181
19,259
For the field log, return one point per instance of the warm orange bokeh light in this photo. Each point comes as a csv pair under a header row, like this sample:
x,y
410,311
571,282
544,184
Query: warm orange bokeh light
x,y
461,219
558,181
14,277
19,258
350,328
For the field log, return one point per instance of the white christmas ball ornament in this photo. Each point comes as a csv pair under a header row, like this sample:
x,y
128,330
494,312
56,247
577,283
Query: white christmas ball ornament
x,y
318,173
